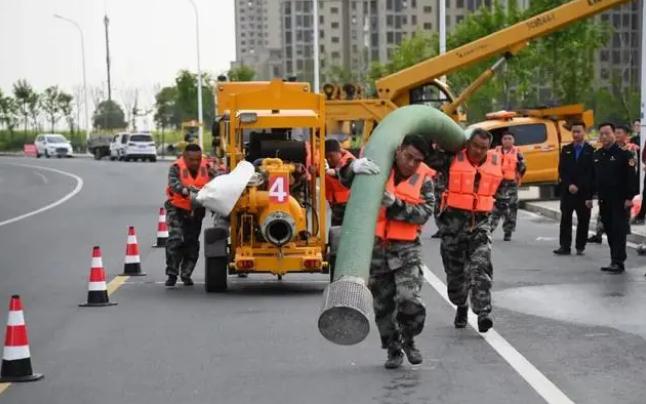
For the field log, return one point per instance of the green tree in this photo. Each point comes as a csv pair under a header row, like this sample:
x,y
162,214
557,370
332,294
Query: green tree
x,y
108,115
166,109
65,106
241,73
8,112
186,84
24,95
49,103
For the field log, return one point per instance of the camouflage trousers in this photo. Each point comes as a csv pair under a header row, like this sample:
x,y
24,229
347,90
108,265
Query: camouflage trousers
x,y
183,245
506,207
396,283
466,255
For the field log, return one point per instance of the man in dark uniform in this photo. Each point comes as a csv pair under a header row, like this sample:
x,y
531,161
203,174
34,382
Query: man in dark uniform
x,y
615,172
575,168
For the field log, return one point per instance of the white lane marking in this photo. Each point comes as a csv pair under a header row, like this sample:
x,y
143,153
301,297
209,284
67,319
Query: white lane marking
x,y
76,190
42,176
540,238
541,384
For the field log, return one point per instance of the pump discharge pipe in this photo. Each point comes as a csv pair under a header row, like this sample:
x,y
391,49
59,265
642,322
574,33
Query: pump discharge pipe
x,y
347,301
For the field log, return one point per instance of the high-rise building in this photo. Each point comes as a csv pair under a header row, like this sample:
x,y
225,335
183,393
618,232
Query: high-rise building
x,y
259,37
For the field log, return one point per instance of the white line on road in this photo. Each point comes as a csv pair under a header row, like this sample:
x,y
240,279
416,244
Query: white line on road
x,y
541,384
42,176
76,190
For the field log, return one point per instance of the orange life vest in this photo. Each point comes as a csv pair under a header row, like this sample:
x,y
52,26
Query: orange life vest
x,y
335,192
184,202
462,174
509,162
408,191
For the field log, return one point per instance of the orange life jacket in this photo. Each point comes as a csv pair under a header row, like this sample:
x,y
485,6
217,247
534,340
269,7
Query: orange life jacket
x,y
408,191
184,202
462,174
335,192
509,162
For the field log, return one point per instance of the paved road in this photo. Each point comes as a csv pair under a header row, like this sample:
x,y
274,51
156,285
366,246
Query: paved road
x,y
584,330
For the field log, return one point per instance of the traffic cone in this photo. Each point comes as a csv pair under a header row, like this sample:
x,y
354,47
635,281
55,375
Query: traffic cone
x,y
16,359
132,265
97,291
162,229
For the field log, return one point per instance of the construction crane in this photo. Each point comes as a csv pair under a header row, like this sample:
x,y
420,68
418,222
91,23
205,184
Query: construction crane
x,y
397,89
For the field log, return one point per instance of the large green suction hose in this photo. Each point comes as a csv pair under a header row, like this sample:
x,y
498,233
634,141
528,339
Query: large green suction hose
x,y
347,301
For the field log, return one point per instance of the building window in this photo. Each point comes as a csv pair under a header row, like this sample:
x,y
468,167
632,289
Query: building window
x,y
389,20
428,9
335,39
334,10
428,26
335,25
413,3
389,4
604,55
390,37
459,19
459,4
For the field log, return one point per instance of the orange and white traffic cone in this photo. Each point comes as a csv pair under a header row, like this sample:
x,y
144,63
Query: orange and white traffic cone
x,y
162,229
132,264
97,290
16,358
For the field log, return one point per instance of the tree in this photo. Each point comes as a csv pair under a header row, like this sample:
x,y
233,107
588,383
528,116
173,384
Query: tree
x,y
166,108
186,84
8,112
50,104
24,95
241,73
65,107
108,115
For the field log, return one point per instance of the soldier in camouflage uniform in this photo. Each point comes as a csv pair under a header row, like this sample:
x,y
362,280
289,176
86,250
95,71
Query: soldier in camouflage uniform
x,y
466,230
395,271
185,177
513,168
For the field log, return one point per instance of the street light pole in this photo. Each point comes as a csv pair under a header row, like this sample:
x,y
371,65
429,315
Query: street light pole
x,y
200,129
87,116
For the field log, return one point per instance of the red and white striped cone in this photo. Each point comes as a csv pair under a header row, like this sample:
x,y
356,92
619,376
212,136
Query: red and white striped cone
x,y
16,358
97,290
132,264
162,229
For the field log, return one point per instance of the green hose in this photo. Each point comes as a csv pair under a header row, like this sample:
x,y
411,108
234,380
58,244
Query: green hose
x,y
347,301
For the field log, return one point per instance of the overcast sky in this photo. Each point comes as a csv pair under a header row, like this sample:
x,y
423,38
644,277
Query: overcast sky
x,y
150,40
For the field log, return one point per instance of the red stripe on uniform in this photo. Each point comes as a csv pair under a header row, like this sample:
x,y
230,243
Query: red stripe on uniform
x,y
97,275
16,335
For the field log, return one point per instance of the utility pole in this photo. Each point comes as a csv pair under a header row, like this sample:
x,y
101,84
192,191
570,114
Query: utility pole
x,y
106,21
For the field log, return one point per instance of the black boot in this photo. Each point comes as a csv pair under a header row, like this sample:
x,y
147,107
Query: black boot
x,y
562,251
507,236
614,268
484,322
412,353
595,239
171,281
187,281
395,358
461,315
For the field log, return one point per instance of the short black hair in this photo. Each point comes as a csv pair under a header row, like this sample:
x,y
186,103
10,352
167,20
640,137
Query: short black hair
x,y
508,132
332,145
193,147
625,128
577,122
418,142
479,132
602,124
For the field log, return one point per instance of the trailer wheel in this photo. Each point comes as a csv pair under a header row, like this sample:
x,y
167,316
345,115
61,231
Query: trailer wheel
x,y
215,275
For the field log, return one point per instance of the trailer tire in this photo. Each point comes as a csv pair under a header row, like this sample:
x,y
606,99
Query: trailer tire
x,y
215,274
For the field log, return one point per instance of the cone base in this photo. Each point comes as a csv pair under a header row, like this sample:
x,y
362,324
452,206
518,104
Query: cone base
x,y
133,269
22,379
98,304
133,274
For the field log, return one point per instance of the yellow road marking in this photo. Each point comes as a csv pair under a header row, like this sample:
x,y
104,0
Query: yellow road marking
x,y
116,283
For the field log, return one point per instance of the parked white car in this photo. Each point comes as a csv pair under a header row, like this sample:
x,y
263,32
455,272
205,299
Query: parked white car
x,y
52,144
118,145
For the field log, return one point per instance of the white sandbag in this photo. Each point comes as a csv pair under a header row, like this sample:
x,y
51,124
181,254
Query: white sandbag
x,y
222,192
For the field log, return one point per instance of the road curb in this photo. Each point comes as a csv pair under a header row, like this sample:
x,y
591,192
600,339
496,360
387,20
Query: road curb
x,y
556,215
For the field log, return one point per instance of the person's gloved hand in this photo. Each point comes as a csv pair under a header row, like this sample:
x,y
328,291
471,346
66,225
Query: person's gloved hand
x,y
364,166
388,200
